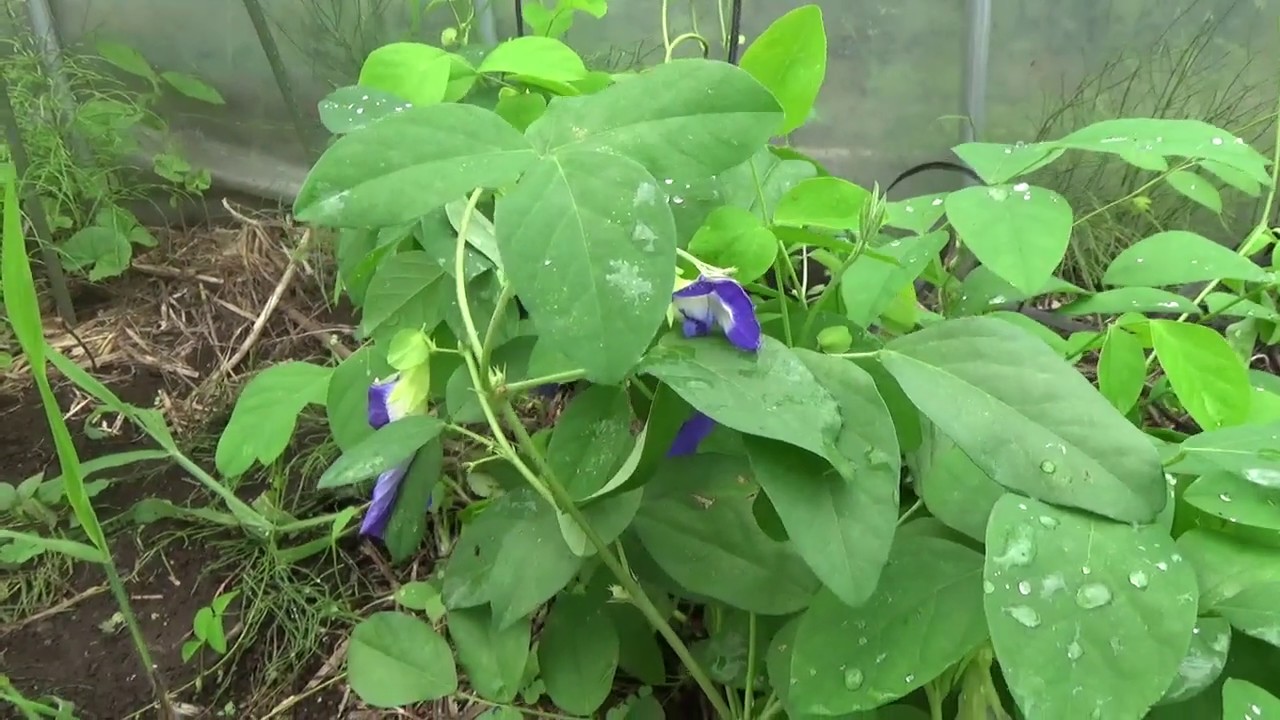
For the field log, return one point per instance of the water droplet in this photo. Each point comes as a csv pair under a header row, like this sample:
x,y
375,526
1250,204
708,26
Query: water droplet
x,y
1024,587
909,679
1093,595
1217,141
1019,550
1074,651
987,587
1021,187
998,194
1047,467
1224,497
1049,522
853,678
1025,616
1138,579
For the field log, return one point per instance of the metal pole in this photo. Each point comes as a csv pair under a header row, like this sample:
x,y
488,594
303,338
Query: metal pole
x,y
487,22
977,58
281,73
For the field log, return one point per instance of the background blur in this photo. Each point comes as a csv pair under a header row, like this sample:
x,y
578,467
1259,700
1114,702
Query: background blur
x,y
893,97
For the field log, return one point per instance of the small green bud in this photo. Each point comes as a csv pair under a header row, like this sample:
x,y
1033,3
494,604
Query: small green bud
x,y
449,37
835,339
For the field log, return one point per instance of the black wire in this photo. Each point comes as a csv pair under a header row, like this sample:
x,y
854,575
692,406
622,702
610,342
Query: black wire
x,y
735,30
934,165
519,18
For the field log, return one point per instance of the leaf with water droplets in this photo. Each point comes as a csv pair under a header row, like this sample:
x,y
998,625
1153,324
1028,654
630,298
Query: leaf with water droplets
x,y
1250,451
686,118
1018,231
1011,404
1175,257
1242,700
925,615
1130,300
353,107
1236,500
1194,139
917,214
1196,188
998,163
590,249
1239,582
826,202
405,165
1087,615
1205,659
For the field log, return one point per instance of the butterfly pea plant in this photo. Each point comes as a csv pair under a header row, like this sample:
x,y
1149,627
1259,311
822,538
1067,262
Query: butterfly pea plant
x,y
811,497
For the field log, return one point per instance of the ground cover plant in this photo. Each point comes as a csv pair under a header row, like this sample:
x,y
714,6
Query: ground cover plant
x,y
638,461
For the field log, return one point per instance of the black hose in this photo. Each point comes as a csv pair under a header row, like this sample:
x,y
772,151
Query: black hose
x,y
735,30
519,18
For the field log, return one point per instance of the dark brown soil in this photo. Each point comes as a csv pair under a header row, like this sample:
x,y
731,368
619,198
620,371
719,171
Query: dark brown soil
x,y
83,653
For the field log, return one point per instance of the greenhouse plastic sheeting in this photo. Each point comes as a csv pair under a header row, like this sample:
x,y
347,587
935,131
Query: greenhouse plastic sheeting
x,y
895,78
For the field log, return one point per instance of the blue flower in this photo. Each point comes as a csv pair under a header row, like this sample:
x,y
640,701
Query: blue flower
x,y
706,303
711,302
691,434
386,406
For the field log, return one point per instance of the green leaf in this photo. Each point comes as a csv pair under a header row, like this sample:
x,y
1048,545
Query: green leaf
x,y
639,653
1233,177
925,615
827,202
408,522
421,595
727,648
733,237
1204,661
104,251
590,250
1250,451
1195,188
1018,231
403,166
578,654
193,87
353,107
70,548
386,448
591,438
1238,582
1208,377
1191,139
1243,699
404,293
790,59
953,488
1088,617
996,163
685,118
1046,431
1175,257
1122,369
531,563
917,215
1130,300
697,524
609,517
126,59
493,659
1229,305
394,660
842,525
347,402
521,109
536,57
1235,500
871,283
266,413
770,393
413,72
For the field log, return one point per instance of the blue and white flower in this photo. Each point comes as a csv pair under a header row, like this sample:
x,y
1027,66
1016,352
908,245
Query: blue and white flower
x,y
386,406
719,302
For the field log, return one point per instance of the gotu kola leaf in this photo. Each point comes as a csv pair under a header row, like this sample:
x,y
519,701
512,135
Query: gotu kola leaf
x,y
1044,430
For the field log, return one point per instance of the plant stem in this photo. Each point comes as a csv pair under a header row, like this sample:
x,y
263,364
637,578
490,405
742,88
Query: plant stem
x,y
749,691
491,332
460,276
559,498
121,595
552,379
829,290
